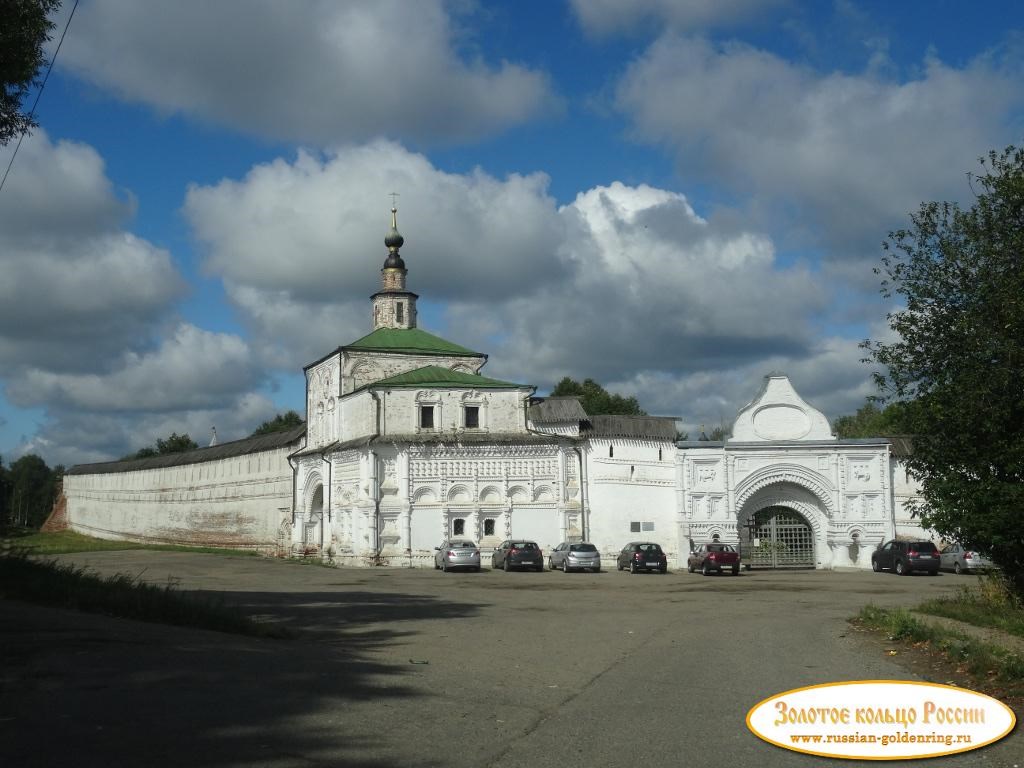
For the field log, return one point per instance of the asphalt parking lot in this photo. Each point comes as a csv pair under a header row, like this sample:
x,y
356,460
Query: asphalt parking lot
x,y
399,667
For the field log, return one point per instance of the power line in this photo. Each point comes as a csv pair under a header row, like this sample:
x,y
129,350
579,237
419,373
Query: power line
x,y
42,85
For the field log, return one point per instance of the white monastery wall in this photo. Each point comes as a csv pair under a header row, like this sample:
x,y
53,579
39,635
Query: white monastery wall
x,y
241,502
632,494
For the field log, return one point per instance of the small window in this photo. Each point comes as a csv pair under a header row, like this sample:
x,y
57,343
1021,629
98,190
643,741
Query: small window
x,y
459,527
426,417
400,312
611,451
634,527
659,454
647,526
472,417
489,527
643,525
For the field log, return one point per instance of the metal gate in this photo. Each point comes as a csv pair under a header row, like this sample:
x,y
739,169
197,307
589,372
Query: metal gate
x,y
781,539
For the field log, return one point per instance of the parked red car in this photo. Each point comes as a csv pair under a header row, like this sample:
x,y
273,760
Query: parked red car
x,y
714,558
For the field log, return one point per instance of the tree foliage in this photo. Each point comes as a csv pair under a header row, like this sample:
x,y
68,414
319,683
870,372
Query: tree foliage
x,y
959,356
280,423
25,28
174,444
872,421
596,400
28,488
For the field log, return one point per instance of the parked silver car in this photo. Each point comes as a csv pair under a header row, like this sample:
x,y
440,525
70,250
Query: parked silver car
x,y
575,556
954,557
457,553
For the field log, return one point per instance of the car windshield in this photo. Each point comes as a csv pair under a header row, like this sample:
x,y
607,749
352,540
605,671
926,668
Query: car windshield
x,y
463,545
523,545
582,548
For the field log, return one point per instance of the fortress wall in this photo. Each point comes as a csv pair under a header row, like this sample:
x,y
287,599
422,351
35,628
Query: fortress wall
x,y
240,502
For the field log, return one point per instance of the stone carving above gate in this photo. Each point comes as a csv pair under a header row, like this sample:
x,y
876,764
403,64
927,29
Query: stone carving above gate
x,y
779,413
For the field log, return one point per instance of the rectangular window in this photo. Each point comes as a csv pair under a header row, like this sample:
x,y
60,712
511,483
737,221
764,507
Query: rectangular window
x,y
459,527
634,527
489,527
637,527
647,526
426,417
472,417
400,312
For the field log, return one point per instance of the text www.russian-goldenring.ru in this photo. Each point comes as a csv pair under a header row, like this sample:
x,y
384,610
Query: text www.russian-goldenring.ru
x,y
884,740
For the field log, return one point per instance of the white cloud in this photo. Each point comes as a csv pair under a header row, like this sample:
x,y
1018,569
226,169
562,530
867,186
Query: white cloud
x,y
606,17
300,245
76,286
844,156
319,71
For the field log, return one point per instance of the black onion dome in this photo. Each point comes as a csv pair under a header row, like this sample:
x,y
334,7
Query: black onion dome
x,y
394,261
393,239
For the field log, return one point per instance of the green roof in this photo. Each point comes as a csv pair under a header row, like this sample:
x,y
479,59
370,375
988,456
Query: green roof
x,y
409,341
436,376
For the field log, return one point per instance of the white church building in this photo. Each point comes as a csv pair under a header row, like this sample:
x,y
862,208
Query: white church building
x,y
407,443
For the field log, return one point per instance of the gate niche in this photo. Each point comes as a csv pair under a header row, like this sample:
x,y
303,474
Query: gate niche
x,y
780,538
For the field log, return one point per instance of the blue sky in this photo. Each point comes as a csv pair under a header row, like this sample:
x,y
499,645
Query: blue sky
x,y
674,198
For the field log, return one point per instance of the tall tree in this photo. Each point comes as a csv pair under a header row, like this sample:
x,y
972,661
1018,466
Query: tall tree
x,y
596,400
872,421
958,356
31,491
25,28
280,423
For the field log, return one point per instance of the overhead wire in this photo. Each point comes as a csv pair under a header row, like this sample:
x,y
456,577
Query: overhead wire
x,y
39,93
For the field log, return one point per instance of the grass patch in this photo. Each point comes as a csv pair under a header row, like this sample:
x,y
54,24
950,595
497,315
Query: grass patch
x,y
984,660
70,586
990,604
65,542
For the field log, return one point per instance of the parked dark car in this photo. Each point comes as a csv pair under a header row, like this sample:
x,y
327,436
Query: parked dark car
x,y
518,553
457,553
959,560
642,556
575,556
905,557
714,557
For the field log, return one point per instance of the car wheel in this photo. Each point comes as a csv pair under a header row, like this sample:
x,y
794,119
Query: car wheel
x,y
663,571
476,569
508,565
444,567
735,570
597,570
875,566
957,569
540,568
704,570
689,567
901,569
565,565
618,565
551,564
632,566
934,572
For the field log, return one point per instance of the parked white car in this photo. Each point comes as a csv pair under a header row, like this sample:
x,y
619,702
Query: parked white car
x,y
955,558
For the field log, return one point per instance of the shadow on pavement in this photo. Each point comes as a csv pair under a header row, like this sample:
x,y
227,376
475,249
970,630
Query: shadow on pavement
x,y
87,690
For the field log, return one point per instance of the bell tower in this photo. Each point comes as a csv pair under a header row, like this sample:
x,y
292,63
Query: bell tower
x,y
393,305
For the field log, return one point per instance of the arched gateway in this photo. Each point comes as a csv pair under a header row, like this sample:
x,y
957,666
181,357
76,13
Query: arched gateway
x,y
784,489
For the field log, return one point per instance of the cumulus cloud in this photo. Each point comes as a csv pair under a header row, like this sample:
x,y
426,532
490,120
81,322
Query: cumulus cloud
x,y
844,156
319,72
77,287
300,244
605,17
